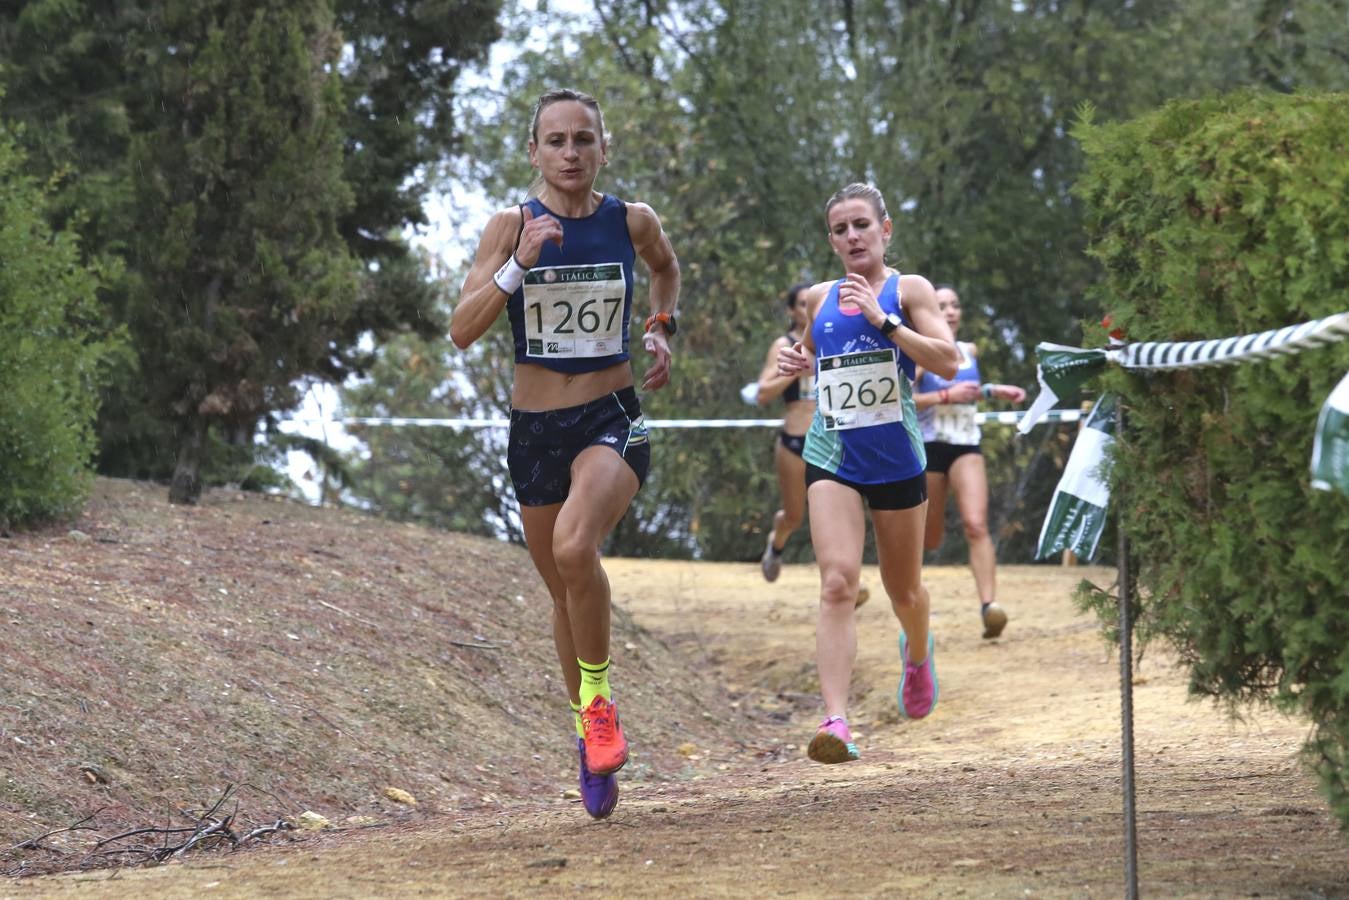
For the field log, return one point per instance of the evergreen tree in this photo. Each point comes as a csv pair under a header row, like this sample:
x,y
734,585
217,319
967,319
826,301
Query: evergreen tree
x,y
399,74
238,275
95,84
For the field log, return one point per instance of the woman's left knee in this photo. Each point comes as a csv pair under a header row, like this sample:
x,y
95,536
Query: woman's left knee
x,y
908,598
574,556
976,530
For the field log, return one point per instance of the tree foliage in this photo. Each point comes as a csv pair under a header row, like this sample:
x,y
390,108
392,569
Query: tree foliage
x,y
53,355
1211,219
255,165
399,80
235,293
736,119
415,473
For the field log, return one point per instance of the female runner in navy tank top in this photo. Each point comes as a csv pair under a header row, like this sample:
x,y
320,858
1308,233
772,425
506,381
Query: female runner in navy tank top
x,y
868,331
798,396
561,265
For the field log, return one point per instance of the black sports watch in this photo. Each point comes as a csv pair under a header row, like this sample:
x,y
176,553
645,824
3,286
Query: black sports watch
x,y
891,324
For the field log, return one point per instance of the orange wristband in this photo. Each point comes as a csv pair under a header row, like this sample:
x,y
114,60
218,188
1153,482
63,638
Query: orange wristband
x,y
665,320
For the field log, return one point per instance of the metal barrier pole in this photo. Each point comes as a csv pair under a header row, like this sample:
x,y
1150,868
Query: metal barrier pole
x,y
1126,687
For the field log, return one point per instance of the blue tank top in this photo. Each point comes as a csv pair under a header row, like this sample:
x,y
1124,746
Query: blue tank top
x,y
951,423
571,314
870,454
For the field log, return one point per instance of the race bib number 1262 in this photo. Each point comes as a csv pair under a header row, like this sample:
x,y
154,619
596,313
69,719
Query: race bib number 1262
x,y
855,390
574,311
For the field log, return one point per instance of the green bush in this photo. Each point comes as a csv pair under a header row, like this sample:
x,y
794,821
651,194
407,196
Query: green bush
x,y
50,354
1215,218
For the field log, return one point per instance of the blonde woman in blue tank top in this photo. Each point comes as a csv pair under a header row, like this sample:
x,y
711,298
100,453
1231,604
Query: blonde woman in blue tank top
x,y
946,410
561,266
868,331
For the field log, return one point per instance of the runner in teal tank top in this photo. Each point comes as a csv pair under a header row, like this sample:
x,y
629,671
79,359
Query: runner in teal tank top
x,y
868,331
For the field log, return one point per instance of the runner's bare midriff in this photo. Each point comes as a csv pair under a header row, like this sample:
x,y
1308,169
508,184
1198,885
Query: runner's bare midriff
x,y
538,389
796,417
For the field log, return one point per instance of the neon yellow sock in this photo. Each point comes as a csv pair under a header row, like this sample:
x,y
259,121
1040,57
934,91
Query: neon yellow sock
x,y
576,714
594,681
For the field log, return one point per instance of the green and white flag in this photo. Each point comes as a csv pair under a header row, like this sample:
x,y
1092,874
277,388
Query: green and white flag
x,y
1330,450
1061,370
1077,512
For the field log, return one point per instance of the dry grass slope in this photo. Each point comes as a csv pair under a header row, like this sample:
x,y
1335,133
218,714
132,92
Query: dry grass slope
x,y
153,655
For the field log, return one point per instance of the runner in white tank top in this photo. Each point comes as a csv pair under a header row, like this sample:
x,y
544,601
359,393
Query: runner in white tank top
x,y
951,435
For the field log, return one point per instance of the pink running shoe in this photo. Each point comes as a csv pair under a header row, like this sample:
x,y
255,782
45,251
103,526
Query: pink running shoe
x,y
918,684
833,742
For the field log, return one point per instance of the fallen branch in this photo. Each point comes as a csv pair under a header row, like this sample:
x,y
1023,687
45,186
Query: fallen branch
x,y
207,827
35,843
136,831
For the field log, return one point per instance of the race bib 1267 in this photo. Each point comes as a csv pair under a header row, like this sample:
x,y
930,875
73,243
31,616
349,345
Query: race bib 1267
x,y
574,311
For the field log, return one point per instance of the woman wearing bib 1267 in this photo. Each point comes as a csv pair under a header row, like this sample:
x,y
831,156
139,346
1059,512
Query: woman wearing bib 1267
x,y
561,265
867,332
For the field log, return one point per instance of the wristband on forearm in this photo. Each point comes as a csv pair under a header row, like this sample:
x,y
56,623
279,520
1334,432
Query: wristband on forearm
x,y
986,389
943,396
510,276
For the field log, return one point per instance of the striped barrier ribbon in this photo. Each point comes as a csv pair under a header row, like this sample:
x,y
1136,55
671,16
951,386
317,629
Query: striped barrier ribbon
x,y
1000,418
1184,354
1062,369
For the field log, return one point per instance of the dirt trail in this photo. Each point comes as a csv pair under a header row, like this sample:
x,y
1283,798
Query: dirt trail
x,y
1011,788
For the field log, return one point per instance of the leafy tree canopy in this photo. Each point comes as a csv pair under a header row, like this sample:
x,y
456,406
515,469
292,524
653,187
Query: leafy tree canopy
x,y
736,119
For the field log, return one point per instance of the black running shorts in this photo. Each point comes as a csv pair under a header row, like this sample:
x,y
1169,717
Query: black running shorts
x,y
940,455
904,494
795,443
543,445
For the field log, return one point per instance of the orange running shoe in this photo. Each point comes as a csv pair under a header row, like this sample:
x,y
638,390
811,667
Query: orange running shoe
x,y
606,749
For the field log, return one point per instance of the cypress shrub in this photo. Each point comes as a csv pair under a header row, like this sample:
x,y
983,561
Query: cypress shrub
x,y
51,348
1215,218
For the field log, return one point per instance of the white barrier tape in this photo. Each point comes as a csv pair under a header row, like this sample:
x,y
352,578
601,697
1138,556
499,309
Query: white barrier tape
x,y
986,418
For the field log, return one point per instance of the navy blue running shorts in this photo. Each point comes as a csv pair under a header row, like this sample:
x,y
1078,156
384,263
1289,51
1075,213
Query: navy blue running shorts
x,y
796,443
543,445
904,494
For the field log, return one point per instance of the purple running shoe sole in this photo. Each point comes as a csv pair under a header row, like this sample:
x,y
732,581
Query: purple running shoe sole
x,y
599,793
